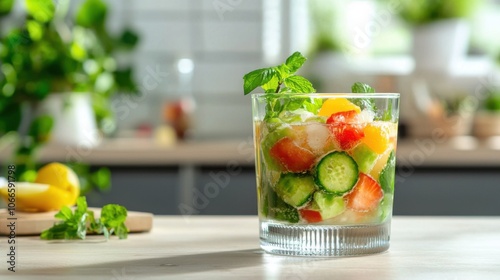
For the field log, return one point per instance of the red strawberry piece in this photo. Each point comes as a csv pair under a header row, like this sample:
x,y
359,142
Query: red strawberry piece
x,y
291,156
342,117
345,130
366,194
310,216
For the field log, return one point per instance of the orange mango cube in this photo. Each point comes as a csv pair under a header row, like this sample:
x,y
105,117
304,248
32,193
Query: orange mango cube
x,y
376,137
335,105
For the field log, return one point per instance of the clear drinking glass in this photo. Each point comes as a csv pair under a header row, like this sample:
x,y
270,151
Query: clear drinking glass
x,y
325,166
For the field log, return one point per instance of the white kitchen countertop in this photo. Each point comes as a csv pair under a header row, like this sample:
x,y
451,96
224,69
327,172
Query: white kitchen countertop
x,y
227,247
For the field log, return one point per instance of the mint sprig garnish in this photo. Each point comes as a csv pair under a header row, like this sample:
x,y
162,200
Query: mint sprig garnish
x,y
257,78
282,79
369,103
295,61
279,79
387,174
358,87
76,225
363,103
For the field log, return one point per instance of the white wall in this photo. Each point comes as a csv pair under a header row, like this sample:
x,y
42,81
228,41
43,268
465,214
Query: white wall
x,y
224,40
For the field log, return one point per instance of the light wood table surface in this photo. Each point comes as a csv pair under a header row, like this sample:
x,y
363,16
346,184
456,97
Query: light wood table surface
x,y
227,247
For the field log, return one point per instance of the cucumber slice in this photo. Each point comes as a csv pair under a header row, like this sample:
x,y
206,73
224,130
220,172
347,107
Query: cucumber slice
x,y
276,208
336,173
386,177
364,157
295,189
329,205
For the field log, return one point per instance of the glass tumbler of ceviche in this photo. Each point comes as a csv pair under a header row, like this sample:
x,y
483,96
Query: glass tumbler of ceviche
x,y
325,166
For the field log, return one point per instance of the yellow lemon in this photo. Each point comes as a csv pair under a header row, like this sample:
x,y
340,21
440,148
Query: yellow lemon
x,y
62,177
335,105
33,197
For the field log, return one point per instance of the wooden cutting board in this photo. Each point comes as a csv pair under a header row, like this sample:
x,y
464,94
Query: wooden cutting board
x,y
35,223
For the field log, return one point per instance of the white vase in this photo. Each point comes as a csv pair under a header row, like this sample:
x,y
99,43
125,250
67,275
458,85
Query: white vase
x,y
438,46
74,119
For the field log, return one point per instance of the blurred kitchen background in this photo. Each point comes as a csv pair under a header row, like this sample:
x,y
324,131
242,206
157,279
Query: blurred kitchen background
x,y
182,144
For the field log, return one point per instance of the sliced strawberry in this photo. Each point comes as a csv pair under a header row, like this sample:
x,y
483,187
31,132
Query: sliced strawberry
x,y
348,136
342,117
311,216
366,194
291,156
347,133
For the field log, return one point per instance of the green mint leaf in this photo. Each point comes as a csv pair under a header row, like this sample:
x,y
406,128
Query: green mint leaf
x,y
122,231
76,225
299,84
257,78
387,115
290,107
361,88
113,218
363,103
273,108
64,214
90,217
112,215
81,206
58,231
387,174
73,226
293,104
313,105
81,230
272,85
79,220
281,79
105,231
93,224
282,72
295,61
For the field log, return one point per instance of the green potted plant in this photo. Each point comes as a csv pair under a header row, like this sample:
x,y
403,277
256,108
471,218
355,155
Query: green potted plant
x,y
325,44
487,120
440,31
324,19
50,55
